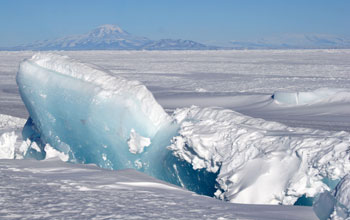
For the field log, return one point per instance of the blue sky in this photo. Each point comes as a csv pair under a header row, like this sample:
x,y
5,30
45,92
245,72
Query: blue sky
x,y
207,21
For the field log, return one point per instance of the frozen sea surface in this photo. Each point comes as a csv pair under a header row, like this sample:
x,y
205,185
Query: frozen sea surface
x,y
240,80
243,81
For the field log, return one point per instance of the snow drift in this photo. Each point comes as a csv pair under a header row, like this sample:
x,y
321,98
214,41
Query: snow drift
x,y
92,116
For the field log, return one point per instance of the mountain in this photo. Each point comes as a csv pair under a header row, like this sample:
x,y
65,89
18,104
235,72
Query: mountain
x,y
295,41
112,37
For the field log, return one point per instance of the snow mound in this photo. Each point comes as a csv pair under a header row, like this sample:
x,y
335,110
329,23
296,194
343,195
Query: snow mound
x,y
259,161
318,95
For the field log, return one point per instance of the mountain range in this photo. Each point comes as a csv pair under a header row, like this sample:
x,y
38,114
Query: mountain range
x,y
112,37
295,41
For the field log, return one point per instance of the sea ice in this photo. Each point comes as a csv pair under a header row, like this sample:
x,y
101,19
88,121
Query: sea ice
x,y
94,117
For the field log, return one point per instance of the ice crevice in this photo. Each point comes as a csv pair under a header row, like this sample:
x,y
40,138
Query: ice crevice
x,y
89,116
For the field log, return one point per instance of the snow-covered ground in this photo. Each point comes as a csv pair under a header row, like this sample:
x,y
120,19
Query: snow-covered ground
x,y
300,88
52,189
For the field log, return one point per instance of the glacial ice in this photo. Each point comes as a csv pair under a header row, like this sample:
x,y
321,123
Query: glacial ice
x,y
310,97
334,205
92,116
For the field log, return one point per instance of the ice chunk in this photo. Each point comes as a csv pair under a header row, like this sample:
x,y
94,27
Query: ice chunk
x,y
137,143
335,205
7,145
342,196
324,205
301,98
259,161
11,145
52,153
98,118
86,112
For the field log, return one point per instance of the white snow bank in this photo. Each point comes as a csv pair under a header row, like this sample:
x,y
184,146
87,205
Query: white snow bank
x,y
259,161
11,145
318,95
101,78
7,145
53,153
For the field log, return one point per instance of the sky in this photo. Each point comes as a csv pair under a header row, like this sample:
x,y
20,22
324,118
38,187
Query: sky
x,y
206,21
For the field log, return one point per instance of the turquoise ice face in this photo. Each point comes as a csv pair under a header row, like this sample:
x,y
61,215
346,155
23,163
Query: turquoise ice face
x,y
92,124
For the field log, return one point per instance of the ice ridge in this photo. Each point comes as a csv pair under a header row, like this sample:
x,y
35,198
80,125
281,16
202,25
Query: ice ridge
x,y
93,116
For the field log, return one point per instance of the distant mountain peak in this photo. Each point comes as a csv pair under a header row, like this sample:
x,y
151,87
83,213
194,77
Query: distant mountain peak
x,y
112,37
110,28
107,30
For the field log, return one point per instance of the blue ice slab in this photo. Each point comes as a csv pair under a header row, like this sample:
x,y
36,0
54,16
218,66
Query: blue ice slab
x,y
89,115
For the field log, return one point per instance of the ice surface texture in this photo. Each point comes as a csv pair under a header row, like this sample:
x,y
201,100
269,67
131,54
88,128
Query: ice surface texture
x,y
94,117
259,161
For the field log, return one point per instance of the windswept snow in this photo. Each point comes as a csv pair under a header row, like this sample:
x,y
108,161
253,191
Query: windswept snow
x,y
52,189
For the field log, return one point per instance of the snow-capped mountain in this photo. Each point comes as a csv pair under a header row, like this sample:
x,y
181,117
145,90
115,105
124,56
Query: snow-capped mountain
x,y
295,41
111,37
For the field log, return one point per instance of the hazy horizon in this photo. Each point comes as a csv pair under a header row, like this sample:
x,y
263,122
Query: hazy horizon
x,y
208,22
